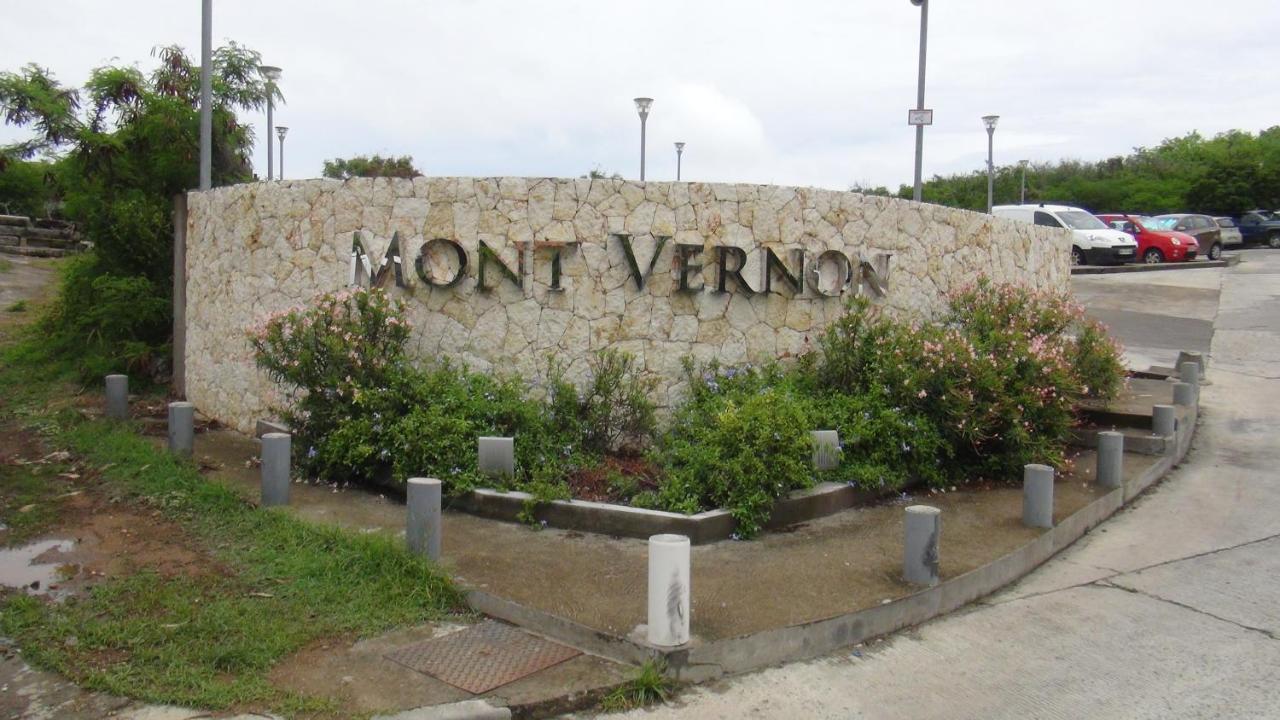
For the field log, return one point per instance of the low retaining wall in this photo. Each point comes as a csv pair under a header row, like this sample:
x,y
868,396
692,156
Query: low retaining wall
x,y
503,273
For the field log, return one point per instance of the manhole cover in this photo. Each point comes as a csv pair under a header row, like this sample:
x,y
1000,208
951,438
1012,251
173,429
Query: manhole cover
x,y
483,656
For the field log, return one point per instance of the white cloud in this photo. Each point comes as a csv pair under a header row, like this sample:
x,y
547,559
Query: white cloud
x,y
808,92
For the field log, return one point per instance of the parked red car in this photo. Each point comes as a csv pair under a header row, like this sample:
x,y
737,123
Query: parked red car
x,y
1154,246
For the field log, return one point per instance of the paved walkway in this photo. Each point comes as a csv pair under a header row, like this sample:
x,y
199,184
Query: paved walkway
x,y
1171,609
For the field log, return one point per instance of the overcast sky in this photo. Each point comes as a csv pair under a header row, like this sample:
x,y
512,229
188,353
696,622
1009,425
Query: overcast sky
x,y
806,92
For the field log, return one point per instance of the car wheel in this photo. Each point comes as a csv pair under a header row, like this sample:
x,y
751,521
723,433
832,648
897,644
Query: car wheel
x,y
1153,257
1215,252
1273,240
1077,256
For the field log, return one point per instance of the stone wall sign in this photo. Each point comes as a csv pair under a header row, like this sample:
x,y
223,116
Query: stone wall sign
x,y
501,273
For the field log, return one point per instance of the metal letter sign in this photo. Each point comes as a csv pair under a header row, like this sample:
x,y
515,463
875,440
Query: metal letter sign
x,y
919,117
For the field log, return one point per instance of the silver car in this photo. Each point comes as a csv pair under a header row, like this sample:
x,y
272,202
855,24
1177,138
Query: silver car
x,y
1230,233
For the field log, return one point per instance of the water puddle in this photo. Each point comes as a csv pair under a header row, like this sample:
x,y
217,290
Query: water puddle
x,y
37,568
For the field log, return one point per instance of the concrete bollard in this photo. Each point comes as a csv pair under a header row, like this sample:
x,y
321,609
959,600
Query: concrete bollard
x,y
669,590
1110,459
1184,394
826,449
275,468
118,397
920,547
182,418
1191,356
1037,496
497,456
1189,372
422,526
1164,421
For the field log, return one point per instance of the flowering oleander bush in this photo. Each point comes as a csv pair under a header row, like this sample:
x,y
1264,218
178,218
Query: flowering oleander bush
x,y
997,377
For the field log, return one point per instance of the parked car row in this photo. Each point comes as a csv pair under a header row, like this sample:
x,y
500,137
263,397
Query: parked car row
x,y
1112,238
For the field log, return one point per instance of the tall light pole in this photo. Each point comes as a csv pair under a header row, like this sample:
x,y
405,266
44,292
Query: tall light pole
x,y
679,154
990,121
206,94
920,120
281,131
642,107
1023,197
272,74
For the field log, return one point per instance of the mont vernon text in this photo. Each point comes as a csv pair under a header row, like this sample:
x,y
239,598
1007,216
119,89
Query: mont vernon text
x,y
444,263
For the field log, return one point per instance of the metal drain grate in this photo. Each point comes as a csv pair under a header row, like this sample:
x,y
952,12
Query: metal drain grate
x,y
483,656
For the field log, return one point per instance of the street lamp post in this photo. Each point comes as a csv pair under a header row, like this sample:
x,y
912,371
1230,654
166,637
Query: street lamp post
x,y
272,74
679,155
281,131
924,36
1023,197
206,94
642,106
990,121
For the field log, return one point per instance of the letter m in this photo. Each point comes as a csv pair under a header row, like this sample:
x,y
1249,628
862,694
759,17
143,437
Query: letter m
x,y
364,272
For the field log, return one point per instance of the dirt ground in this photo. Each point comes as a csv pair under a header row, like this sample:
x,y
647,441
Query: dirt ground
x,y
811,571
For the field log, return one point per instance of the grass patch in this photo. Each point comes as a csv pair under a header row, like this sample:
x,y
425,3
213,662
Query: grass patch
x,y
19,306
649,686
208,640
29,498
5,266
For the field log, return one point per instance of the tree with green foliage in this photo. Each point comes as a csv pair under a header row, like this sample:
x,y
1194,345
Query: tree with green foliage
x,y
1228,174
371,166
125,145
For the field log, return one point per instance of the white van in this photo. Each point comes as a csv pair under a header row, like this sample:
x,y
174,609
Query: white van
x,y
1094,244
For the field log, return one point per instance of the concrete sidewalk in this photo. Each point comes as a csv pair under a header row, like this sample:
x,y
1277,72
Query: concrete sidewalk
x,y
1171,609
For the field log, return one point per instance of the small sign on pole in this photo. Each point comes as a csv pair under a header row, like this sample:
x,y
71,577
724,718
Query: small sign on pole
x,y
919,117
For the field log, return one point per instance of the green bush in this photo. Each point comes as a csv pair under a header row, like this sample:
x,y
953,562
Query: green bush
x,y
363,413
101,323
738,450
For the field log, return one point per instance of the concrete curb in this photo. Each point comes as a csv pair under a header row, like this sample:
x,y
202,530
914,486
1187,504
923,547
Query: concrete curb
x,y
463,710
622,520
1226,261
700,661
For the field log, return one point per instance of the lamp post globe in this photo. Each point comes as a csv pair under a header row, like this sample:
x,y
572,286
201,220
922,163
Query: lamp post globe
x,y
990,122
272,74
281,131
642,108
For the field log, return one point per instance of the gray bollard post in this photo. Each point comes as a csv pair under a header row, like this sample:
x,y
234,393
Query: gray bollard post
x,y
1184,394
422,526
118,397
1037,496
1110,459
1164,420
1189,373
826,449
669,590
182,419
275,468
1191,356
920,547
497,456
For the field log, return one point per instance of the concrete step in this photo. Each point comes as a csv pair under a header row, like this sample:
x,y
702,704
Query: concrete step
x,y
36,251
1136,440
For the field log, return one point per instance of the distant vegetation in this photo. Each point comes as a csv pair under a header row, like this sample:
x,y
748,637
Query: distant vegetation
x,y
370,166
1228,174
111,155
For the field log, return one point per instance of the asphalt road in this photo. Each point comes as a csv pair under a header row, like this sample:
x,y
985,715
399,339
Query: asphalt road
x,y
1169,610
